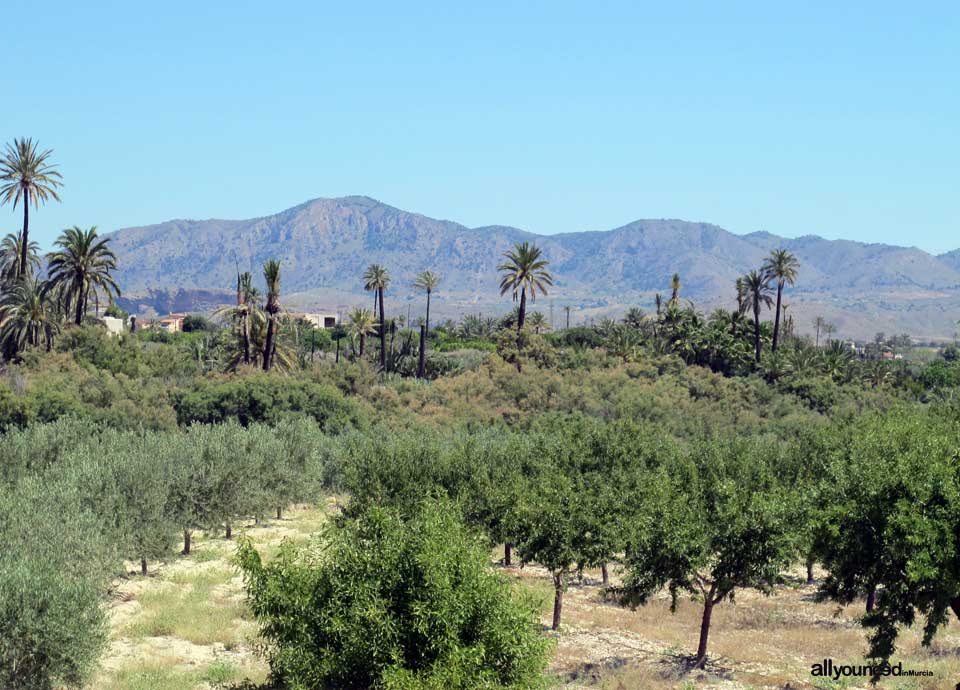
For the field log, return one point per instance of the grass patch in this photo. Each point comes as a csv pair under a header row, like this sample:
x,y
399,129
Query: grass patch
x,y
158,676
192,610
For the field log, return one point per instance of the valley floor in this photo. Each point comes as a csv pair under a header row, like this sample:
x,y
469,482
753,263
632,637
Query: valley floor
x,y
186,625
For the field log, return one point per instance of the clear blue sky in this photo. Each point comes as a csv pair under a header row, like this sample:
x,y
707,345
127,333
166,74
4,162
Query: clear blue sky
x,y
839,119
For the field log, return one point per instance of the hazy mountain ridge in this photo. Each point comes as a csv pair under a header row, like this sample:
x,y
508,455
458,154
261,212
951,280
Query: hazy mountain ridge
x,y
325,244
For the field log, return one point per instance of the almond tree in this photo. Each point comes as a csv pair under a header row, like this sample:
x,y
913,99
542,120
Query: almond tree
x,y
894,537
712,524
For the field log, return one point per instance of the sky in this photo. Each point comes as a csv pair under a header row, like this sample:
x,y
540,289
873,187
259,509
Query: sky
x,y
827,118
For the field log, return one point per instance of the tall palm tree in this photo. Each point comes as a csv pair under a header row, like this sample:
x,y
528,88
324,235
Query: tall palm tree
x,y
27,315
244,313
524,271
567,310
11,255
758,296
82,266
271,275
741,296
674,288
781,266
427,280
376,278
818,323
27,174
361,324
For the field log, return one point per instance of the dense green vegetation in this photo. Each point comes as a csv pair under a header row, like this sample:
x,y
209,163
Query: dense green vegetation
x,y
697,455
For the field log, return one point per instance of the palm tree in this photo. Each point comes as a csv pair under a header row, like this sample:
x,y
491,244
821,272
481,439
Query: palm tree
x,y
782,266
819,322
27,174
524,270
876,373
634,318
741,296
376,278
11,255
674,288
81,267
427,280
244,313
361,324
829,329
27,313
271,275
567,310
539,322
758,296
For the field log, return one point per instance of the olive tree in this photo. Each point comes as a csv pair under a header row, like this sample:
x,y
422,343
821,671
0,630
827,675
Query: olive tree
x,y
52,578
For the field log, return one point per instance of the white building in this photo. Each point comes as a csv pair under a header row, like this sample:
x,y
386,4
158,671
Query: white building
x,y
319,320
114,325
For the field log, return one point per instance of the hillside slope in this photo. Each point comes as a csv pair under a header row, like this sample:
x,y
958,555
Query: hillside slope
x,y
325,244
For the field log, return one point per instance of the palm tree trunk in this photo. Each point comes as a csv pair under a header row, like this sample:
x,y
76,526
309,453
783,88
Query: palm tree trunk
x,y
337,360
363,342
383,334
522,312
776,318
422,360
78,316
245,325
25,235
756,326
268,346
428,311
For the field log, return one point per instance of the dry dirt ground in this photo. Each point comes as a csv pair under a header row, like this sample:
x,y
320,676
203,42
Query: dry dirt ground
x,y
186,626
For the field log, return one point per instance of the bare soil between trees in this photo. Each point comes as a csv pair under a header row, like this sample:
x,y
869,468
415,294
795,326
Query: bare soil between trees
x,y
186,625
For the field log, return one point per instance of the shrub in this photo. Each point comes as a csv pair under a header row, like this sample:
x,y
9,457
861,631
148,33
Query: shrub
x,y
266,398
379,603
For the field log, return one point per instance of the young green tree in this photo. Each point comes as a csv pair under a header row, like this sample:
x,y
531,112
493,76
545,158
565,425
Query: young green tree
x,y
892,529
379,602
713,524
550,532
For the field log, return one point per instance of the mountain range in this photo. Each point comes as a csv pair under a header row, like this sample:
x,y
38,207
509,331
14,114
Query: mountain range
x,y
324,246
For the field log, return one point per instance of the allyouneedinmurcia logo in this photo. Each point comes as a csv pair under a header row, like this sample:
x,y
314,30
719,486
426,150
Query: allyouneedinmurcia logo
x,y
828,669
